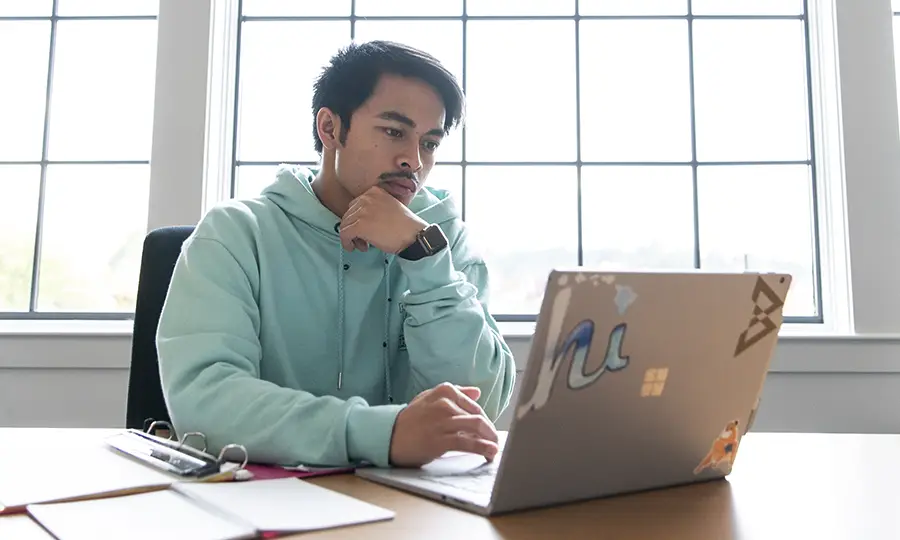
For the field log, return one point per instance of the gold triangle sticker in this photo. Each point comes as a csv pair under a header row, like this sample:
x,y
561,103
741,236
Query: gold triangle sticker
x,y
749,337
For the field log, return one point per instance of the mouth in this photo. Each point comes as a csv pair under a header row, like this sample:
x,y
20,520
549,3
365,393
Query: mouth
x,y
401,188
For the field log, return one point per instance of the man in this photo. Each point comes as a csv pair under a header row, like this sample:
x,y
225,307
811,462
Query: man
x,y
341,316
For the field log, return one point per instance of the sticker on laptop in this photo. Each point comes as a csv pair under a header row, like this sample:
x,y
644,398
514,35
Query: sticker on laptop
x,y
574,347
723,450
765,302
654,382
625,296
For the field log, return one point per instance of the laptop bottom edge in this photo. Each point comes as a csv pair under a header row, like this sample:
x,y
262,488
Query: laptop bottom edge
x,y
608,495
432,493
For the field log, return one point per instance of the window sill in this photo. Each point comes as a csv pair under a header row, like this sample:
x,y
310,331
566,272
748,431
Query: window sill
x,y
67,328
797,332
34,345
516,331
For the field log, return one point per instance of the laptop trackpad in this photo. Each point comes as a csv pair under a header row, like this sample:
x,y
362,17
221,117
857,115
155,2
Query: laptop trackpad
x,y
455,464
470,474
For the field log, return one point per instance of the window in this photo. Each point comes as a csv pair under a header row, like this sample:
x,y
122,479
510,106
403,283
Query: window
x,y
608,133
75,129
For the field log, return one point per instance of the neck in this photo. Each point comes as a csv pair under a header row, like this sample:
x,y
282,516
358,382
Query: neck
x,y
327,188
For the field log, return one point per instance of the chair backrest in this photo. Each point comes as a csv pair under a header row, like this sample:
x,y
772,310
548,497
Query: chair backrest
x,y
160,253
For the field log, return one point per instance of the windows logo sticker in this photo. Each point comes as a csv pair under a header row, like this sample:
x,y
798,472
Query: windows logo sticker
x,y
654,382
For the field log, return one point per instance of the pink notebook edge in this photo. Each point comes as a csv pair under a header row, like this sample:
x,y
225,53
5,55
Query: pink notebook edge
x,y
267,472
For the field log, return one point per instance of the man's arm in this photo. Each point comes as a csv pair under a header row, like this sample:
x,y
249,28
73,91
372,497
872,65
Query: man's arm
x,y
449,332
209,357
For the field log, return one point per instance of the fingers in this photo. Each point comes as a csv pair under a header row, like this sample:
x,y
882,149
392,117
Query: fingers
x,y
469,405
349,233
349,238
472,445
352,211
473,392
476,426
461,396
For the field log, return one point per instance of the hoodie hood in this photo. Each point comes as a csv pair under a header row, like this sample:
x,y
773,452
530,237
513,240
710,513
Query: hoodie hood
x,y
292,191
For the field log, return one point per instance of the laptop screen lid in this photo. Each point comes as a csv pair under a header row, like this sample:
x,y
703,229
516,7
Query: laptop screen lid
x,y
638,380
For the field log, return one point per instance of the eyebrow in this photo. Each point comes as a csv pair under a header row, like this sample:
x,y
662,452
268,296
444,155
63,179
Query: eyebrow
x,y
403,119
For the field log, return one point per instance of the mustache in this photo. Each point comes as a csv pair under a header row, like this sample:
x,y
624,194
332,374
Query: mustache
x,y
388,176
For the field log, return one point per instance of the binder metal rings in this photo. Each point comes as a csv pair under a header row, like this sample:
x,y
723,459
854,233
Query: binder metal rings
x,y
181,442
239,447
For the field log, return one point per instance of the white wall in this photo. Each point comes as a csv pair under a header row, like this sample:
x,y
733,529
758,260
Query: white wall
x,y
54,374
824,396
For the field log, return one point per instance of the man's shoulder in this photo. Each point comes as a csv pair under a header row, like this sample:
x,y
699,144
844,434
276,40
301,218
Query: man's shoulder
x,y
229,233
233,221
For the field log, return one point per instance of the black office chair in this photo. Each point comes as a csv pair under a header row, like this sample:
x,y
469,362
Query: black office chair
x,y
145,401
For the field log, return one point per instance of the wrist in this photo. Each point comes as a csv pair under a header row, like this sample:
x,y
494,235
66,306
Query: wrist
x,y
428,241
394,459
370,430
428,273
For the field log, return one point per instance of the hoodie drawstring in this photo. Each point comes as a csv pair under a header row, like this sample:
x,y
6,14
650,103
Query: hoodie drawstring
x,y
340,332
387,317
385,348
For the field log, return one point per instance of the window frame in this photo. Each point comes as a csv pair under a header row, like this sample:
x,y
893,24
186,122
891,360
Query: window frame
x,y
192,152
44,163
579,164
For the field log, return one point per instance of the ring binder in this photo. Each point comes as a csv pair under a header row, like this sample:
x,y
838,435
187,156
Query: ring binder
x,y
176,456
239,447
195,433
151,429
171,431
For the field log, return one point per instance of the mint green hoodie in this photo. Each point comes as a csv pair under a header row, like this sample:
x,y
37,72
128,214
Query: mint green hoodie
x,y
274,337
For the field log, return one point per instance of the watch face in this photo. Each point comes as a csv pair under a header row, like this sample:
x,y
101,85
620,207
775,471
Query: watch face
x,y
433,239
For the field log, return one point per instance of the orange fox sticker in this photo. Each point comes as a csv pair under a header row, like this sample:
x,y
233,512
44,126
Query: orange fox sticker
x,y
723,450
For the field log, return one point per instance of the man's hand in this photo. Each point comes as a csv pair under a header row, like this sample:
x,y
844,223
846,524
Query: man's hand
x,y
377,218
442,419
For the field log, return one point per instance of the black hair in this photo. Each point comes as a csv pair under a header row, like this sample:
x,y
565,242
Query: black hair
x,y
350,78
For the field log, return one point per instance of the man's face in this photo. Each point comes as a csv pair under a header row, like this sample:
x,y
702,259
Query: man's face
x,y
392,139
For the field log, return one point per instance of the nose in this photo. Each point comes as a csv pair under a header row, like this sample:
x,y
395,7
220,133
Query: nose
x,y
410,159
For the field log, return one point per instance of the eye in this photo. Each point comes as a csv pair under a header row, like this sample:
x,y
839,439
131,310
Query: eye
x,y
431,146
393,132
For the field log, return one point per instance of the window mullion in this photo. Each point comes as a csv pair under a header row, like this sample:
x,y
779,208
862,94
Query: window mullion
x,y
42,186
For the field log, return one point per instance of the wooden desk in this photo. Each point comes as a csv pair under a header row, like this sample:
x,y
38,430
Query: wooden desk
x,y
784,486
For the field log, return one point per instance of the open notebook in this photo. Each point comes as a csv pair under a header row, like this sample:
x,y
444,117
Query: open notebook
x,y
83,468
152,515
22,527
216,511
38,469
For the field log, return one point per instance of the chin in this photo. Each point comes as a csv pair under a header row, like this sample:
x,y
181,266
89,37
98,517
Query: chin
x,y
405,199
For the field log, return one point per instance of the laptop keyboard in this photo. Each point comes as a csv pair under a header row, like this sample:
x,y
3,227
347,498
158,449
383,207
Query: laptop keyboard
x,y
478,480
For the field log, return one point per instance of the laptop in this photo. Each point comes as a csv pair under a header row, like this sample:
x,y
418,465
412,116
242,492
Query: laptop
x,y
635,381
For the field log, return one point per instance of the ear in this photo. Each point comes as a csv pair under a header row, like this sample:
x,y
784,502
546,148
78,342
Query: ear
x,y
328,126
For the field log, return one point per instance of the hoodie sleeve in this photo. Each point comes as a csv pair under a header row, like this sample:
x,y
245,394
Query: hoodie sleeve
x,y
449,331
209,360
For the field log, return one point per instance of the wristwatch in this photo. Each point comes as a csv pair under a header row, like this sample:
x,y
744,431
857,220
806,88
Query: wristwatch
x,y
429,241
